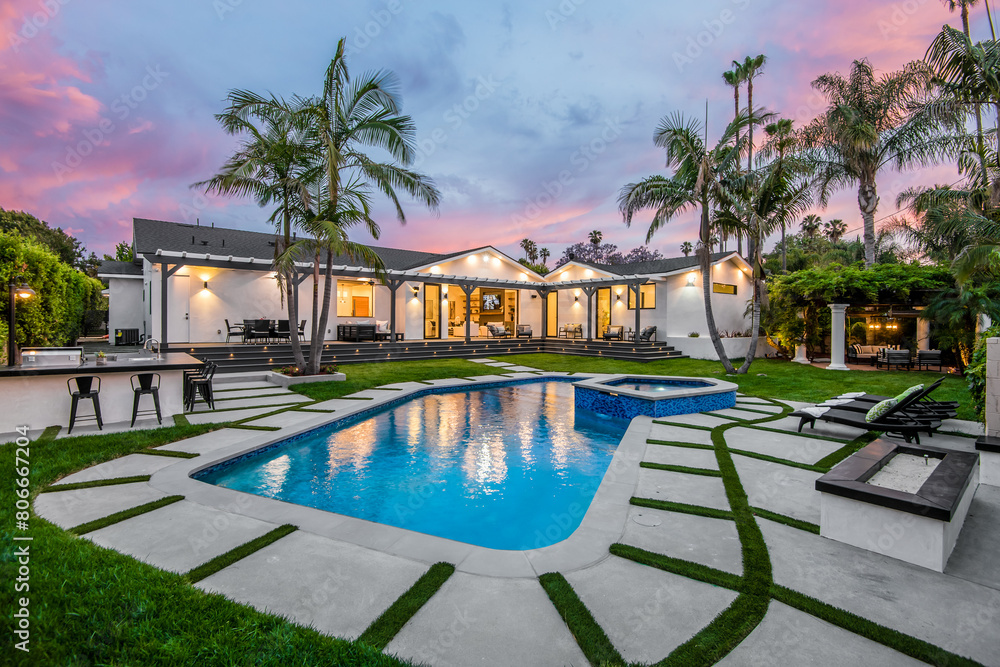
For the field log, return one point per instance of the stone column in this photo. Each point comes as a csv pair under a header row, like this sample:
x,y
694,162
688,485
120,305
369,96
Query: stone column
x,y
838,327
989,445
923,334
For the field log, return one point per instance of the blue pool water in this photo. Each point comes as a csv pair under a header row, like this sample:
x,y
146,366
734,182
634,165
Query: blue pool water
x,y
511,467
646,384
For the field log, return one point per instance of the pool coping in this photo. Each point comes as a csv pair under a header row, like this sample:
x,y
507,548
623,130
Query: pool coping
x,y
603,523
602,384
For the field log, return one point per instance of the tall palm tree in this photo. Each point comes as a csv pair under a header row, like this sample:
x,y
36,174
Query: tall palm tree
x,y
750,68
346,119
963,6
274,166
596,236
811,225
834,229
871,124
735,78
781,141
697,183
686,248
526,247
544,253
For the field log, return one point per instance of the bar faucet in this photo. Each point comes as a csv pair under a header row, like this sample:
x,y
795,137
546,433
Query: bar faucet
x,y
153,346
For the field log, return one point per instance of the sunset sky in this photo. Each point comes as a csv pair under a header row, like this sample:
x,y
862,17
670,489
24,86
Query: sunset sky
x,y
107,108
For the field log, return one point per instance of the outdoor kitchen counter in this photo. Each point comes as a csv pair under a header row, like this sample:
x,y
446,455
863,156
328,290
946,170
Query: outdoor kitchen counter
x,y
36,396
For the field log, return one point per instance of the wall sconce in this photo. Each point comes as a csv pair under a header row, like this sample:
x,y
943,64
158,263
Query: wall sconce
x,y
534,296
205,286
618,297
416,290
576,297
444,290
691,279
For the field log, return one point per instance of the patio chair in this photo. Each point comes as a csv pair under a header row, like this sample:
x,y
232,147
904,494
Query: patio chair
x,y
647,334
924,402
524,331
85,389
615,332
919,408
928,358
258,329
892,419
201,383
234,330
498,331
146,386
302,329
898,358
283,331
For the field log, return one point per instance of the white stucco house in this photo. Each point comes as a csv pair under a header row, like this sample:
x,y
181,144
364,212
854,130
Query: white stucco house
x,y
187,280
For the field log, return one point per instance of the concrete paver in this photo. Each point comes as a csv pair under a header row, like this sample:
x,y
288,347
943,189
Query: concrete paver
x,y
208,442
679,434
71,508
946,611
228,415
980,535
788,636
780,445
124,466
180,536
261,401
680,487
484,620
736,413
646,612
780,488
335,587
142,423
681,456
226,395
821,428
696,419
711,542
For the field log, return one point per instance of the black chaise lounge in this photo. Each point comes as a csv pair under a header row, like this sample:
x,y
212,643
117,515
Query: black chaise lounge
x,y
919,408
895,420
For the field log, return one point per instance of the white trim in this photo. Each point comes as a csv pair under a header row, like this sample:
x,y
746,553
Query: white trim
x,y
126,276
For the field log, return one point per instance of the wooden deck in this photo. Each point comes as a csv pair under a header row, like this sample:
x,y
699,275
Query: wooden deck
x,y
235,357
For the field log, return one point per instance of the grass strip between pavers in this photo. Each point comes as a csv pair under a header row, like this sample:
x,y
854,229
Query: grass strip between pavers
x,y
167,452
898,641
181,420
48,434
685,568
248,427
99,482
588,633
836,457
243,398
684,469
391,621
676,425
225,560
681,508
798,434
732,419
742,407
786,520
675,443
775,459
111,519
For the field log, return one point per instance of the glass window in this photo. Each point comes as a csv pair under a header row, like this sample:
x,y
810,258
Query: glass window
x,y
647,297
354,298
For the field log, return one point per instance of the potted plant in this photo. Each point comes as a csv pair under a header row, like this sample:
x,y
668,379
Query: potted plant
x,y
101,358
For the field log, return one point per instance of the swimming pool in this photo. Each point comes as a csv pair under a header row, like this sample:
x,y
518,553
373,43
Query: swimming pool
x,y
507,467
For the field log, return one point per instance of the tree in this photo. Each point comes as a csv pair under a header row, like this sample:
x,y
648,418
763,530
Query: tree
x,y
69,249
595,237
781,141
529,248
697,183
123,253
545,253
735,78
686,248
834,229
873,123
963,6
811,225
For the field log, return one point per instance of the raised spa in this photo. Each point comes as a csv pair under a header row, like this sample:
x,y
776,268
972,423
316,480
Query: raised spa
x,y
628,396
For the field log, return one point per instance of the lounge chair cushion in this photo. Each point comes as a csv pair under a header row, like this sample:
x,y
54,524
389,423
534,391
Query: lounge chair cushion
x,y
912,390
880,409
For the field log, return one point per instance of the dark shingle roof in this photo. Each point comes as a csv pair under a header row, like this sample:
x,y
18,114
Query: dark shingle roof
x,y
655,266
153,235
112,268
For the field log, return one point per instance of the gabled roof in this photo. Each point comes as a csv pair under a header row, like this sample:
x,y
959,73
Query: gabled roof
x,y
656,266
452,256
153,235
112,268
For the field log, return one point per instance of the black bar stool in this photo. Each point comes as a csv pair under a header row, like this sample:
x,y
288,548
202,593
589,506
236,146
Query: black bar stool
x,y
146,386
201,384
85,389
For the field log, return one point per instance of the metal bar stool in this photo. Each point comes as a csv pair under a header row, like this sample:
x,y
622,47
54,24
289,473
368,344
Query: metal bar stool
x,y
146,386
201,384
85,389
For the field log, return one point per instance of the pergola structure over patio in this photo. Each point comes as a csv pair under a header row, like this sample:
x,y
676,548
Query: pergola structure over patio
x,y
171,261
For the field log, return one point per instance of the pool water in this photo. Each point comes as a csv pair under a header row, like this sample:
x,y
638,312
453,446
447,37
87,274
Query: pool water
x,y
657,385
510,467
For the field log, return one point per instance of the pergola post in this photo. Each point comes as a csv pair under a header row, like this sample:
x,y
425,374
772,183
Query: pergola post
x,y
589,291
393,284
468,289
923,333
633,288
543,294
837,336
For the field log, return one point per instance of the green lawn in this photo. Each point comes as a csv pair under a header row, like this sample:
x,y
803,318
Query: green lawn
x,y
93,606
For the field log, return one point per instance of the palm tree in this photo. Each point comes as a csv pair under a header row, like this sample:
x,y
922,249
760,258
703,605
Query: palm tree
x,y
526,247
834,229
545,254
810,225
751,67
686,248
595,237
697,183
347,118
870,125
735,78
273,165
963,6
781,141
